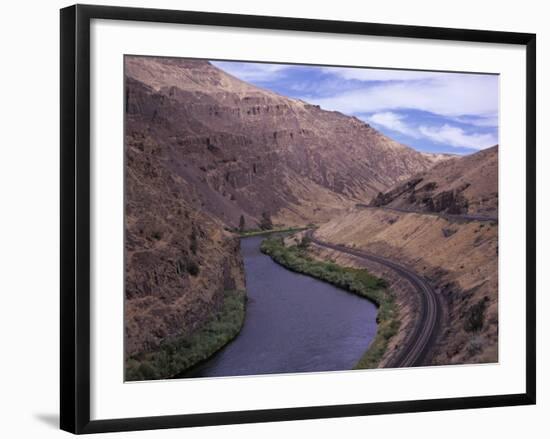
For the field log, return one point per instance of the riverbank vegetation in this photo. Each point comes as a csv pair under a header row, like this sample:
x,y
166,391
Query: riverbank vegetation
x,y
181,353
257,232
357,281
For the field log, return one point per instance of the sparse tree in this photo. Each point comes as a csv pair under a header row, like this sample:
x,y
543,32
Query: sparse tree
x,y
265,222
241,223
475,316
304,242
192,268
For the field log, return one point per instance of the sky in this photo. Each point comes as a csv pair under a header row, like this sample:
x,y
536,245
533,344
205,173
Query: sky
x,y
430,111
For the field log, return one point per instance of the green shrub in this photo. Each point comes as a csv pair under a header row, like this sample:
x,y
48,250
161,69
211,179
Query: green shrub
x,y
304,243
157,235
265,222
192,268
475,316
242,224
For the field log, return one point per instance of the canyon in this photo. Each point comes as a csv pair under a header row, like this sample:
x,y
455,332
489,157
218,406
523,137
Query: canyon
x,y
208,154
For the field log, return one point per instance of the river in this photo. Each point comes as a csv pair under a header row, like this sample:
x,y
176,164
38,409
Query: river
x,y
294,323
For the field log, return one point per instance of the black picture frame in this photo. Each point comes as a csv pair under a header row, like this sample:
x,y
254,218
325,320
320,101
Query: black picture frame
x,y
75,217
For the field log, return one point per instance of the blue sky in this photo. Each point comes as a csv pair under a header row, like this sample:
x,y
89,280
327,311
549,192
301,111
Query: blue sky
x,y
429,111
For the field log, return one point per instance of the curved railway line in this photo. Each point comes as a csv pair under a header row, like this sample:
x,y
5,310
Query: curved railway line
x,y
420,340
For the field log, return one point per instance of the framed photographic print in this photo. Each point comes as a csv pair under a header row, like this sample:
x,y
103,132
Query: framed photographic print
x,y
268,218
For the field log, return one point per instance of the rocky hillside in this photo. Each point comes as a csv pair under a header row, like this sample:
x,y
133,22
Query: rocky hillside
x,y
241,150
179,260
460,185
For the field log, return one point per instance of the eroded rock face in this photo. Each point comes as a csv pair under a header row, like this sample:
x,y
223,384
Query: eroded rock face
x,y
462,185
453,202
179,260
383,199
246,150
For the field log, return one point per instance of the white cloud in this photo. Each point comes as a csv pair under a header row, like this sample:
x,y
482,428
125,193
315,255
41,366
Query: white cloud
x,y
364,74
464,98
447,95
393,121
455,136
251,71
444,134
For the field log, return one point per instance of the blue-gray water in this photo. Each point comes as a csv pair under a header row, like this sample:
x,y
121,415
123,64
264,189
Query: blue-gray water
x,y
294,323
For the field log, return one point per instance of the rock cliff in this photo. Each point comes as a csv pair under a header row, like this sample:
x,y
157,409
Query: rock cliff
x,y
460,185
242,150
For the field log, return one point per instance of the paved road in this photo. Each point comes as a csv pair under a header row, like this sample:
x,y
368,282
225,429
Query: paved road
x,y
422,337
448,216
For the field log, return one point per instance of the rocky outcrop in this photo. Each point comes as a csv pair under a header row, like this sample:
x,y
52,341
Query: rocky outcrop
x,y
383,199
462,185
424,198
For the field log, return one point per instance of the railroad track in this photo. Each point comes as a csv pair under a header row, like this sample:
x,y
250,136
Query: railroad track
x,y
447,216
420,340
